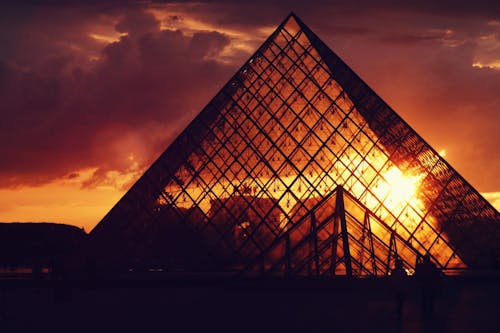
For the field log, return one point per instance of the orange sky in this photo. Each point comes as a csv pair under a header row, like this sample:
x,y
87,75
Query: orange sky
x,y
92,95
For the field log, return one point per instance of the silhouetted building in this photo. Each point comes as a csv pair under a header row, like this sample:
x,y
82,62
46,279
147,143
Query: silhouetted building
x,y
297,167
41,246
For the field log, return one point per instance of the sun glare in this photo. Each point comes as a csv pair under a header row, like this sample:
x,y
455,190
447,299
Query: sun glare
x,y
400,188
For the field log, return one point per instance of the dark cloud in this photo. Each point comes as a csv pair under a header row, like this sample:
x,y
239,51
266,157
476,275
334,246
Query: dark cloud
x,y
59,116
138,24
408,38
240,13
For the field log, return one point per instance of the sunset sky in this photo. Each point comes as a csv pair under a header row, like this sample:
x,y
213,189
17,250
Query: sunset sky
x,y
92,92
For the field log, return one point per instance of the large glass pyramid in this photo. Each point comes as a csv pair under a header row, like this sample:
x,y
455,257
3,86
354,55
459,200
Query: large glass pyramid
x,y
297,167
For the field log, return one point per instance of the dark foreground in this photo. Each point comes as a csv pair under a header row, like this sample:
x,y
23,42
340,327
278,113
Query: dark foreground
x,y
158,304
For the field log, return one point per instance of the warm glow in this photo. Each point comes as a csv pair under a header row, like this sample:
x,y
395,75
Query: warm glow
x,y
399,189
106,39
493,198
67,200
57,202
490,65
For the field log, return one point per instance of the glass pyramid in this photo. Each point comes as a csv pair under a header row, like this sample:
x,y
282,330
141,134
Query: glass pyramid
x,y
253,183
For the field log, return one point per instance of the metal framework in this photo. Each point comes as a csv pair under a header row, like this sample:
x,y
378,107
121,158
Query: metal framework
x,y
297,167
338,236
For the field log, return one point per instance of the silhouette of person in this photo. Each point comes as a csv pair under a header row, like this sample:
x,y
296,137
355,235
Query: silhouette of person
x,y
398,276
429,277
398,271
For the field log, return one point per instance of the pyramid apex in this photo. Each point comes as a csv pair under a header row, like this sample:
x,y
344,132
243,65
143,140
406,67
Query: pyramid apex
x,y
291,22
292,15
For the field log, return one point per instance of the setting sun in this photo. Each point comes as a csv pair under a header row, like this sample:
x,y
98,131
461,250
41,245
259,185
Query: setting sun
x,y
399,188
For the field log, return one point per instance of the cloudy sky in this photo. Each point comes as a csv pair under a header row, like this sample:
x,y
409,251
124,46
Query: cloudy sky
x,y
92,92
